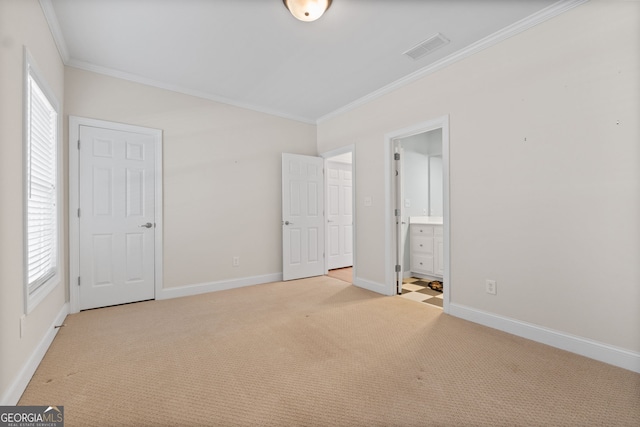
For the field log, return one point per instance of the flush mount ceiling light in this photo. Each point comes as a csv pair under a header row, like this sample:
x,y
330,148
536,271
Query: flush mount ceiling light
x,y
307,10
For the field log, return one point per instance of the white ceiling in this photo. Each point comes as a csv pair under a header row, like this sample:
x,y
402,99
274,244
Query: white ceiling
x,y
254,54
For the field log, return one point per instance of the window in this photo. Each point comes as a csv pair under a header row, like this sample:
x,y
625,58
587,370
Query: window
x,y
41,196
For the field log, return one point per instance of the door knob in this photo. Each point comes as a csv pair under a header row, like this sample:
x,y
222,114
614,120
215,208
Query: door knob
x,y
288,223
147,225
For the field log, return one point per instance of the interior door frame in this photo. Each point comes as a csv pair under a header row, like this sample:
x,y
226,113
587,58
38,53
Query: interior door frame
x,y
390,202
74,201
327,155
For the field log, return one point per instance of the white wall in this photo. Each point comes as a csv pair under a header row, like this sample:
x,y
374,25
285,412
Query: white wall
x,y
222,195
553,218
415,176
434,142
22,23
436,186
436,180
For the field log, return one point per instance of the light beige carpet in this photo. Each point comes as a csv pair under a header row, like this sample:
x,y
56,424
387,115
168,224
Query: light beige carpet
x,y
316,352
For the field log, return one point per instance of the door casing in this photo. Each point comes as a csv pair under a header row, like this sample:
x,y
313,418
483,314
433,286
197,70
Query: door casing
x,y
74,201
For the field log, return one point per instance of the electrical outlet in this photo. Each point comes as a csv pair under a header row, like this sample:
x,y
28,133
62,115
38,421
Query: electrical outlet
x,y
236,261
491,287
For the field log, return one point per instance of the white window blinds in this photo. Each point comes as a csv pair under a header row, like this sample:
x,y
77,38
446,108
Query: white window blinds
x,y
41,182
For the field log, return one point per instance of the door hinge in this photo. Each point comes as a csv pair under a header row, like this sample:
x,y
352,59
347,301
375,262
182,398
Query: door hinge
x,y
397,212
78,280
397,268
396,156
78,212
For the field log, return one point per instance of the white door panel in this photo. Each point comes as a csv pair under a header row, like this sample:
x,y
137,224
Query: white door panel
x,y
117,215
400,229
302,216
340,215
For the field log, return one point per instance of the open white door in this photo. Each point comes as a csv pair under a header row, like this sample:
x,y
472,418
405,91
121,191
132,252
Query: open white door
x,y
117,217
399,215
339,213
302,216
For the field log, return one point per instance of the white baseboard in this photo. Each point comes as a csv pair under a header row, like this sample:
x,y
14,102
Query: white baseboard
x,y
372,286
203,288
592,349
14,392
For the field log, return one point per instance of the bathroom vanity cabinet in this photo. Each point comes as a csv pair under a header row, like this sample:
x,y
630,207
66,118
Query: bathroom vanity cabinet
x,y
426,249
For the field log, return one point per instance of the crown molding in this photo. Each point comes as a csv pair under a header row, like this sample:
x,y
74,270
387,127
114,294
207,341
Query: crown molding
x,y
507,32
56,32
179,89
54,27
491,40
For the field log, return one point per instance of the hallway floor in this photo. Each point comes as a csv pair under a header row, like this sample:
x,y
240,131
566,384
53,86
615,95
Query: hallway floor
x,y
345,274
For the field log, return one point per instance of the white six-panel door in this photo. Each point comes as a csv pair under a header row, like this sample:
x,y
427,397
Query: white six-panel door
x,y
339,215
400,226
117,217
302,216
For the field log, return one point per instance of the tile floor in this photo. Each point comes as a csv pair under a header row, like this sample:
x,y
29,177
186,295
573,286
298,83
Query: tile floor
x,y
417,290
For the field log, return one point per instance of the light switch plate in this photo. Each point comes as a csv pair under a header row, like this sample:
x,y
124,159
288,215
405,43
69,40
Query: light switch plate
x,y
491,287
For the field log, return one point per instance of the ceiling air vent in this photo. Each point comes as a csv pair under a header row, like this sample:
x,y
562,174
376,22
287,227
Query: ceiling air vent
x,y
426,47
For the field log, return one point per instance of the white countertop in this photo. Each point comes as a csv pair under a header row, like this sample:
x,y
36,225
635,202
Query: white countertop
x,y
425,220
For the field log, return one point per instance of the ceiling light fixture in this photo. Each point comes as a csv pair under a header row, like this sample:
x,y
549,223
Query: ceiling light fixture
x,y
307,10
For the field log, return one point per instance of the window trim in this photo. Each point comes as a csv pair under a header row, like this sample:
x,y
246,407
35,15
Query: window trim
x,y
37,296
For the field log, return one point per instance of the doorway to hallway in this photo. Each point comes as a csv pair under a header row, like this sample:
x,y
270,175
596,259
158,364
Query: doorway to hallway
x,y
339,213
345,274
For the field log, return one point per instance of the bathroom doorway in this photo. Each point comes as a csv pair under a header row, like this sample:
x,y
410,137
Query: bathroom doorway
x,y
421,216
417,228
